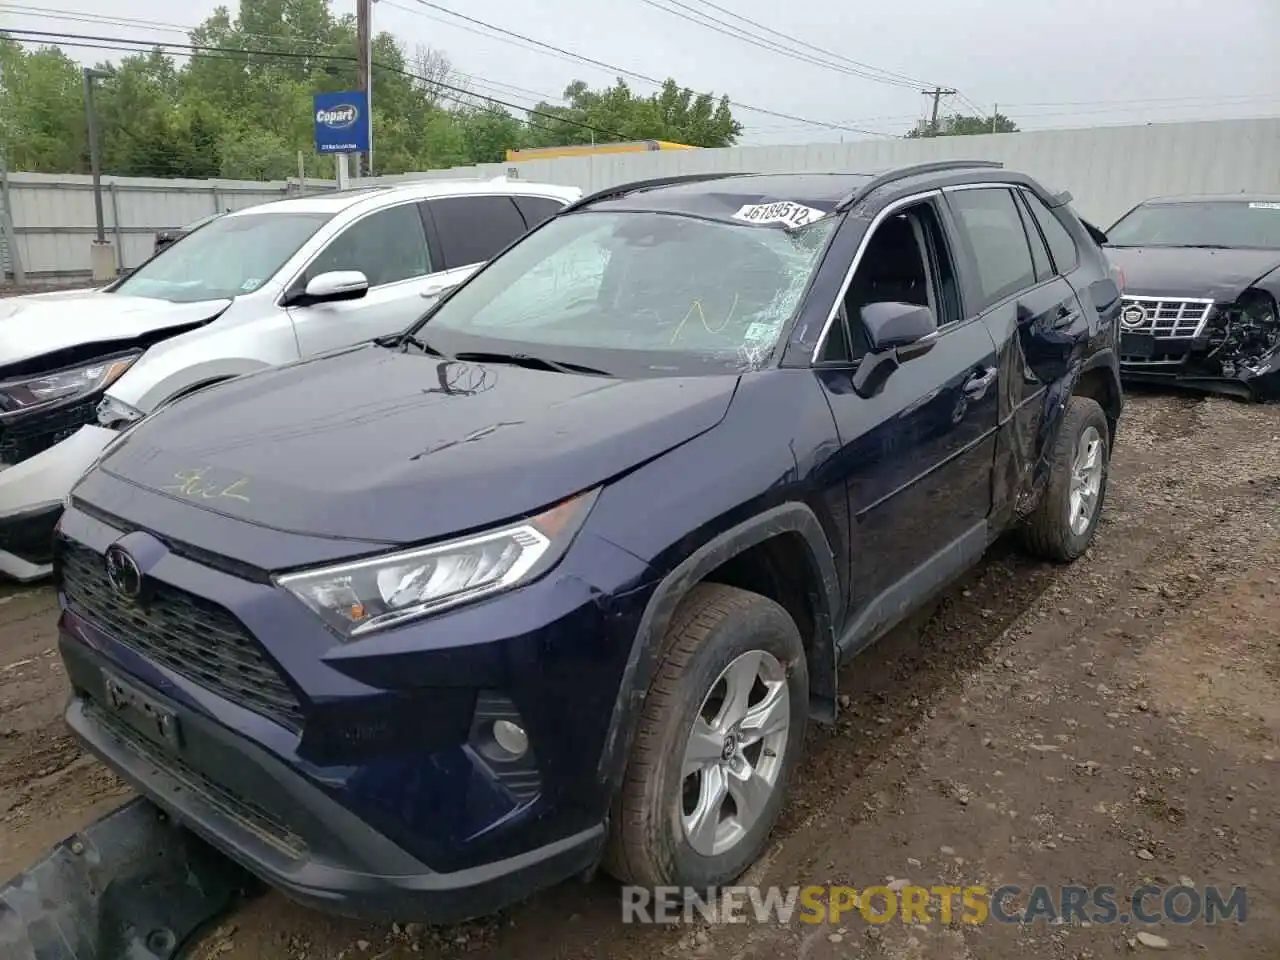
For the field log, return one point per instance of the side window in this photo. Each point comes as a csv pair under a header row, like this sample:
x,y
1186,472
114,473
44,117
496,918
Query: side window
x,y
1039,252
998,244
907,260
386,246
537,209
1065,255
473,229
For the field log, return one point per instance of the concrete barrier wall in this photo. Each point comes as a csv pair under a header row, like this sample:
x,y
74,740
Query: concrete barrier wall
x,y
1107,169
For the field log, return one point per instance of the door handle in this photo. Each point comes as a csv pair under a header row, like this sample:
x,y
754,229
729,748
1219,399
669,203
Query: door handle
x,y
435,291
1066,317
975,388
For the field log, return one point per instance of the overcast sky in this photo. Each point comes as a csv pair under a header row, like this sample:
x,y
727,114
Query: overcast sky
x,y
1046,63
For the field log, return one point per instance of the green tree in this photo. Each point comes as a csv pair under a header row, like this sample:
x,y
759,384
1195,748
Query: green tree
x,y
42,106
960,125
244,107
616,113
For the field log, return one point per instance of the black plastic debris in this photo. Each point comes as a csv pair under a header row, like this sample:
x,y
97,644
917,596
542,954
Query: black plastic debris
x,y
132,886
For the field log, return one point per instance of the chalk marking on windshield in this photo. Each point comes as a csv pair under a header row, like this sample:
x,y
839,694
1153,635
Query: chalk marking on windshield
x,y
697,305
790,214
1260,205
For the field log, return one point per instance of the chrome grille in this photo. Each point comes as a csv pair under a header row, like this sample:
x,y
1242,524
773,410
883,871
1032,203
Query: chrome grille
x,y
1179,318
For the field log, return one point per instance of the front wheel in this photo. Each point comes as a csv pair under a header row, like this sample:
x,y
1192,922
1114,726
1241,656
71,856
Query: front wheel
x,y
721,731
1066,519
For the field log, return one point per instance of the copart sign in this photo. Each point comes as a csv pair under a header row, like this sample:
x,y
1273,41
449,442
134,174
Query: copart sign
x,y
342,122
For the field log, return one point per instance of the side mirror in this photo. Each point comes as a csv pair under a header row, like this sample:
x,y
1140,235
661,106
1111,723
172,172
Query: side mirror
x,y
897,332
891,325
332,287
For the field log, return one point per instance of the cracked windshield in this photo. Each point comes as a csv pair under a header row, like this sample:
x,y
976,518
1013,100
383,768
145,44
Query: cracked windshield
x,y
650,282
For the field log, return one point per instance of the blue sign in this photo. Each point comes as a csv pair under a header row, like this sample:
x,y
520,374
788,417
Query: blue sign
x,y
342,122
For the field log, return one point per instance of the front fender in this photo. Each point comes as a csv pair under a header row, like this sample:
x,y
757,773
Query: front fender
x,y
147,392
642,661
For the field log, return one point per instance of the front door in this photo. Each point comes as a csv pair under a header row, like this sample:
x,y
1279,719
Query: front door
x,y
389,246
917,455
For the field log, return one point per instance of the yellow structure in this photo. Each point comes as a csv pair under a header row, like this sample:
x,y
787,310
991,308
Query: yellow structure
x,y
586,150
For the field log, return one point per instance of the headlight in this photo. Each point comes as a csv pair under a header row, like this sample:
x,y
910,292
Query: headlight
x,y
24,394
357,598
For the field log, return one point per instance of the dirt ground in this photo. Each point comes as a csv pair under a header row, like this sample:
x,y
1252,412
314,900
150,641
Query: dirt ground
x,y
1113,722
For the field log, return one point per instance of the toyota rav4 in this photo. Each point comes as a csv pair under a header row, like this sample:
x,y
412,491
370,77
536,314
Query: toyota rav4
x,y
557,576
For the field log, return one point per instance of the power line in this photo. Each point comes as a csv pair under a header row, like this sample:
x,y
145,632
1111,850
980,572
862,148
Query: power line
x,y
738,33
236,53
620,71
166,27
822,50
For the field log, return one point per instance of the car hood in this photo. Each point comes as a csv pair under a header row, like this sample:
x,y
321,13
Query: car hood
x,y
380,445
41,323
1191,271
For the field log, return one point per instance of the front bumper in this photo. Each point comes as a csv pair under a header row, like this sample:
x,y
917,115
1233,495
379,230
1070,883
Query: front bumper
x,y
324,857
1261,386
31,498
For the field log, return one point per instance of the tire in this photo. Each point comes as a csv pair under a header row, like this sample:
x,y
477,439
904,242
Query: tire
x,y
713,627
1049,532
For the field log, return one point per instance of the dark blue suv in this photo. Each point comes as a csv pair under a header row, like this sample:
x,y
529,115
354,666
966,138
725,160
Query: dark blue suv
x,y
556,578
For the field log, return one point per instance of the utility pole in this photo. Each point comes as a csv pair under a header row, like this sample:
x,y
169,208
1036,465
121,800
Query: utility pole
x,y
937,93
364,60
995,112
95,159
102,256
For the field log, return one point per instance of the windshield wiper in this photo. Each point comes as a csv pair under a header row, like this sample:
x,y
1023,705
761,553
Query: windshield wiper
x,y
403,340
532,362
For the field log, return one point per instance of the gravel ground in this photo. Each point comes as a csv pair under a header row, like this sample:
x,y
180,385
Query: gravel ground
x,y
1112,722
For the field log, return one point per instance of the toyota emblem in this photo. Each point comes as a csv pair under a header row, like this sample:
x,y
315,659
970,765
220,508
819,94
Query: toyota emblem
x,y
123,572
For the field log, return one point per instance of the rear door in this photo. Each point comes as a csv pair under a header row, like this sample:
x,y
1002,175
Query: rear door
x,y
389,246
1032,313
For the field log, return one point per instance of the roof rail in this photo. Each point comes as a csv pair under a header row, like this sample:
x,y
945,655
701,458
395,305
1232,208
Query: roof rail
x,y
914,170
622,189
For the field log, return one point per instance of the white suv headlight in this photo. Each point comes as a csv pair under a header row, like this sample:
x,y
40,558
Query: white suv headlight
x,y
366,595
23,394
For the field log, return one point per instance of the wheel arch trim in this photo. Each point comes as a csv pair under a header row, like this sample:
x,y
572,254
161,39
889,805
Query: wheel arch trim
x,y
642,660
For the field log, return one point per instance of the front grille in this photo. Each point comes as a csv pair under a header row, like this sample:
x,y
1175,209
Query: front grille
x,y
37,432
1178,318
193,637
248,814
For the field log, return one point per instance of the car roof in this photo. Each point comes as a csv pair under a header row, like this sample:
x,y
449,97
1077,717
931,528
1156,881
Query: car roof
x,y
337,201
719,198
724,196
1217,198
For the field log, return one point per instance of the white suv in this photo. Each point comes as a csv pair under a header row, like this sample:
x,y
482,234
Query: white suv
x,y
250,290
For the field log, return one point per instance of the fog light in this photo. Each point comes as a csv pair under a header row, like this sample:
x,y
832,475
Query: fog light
x,y
510,737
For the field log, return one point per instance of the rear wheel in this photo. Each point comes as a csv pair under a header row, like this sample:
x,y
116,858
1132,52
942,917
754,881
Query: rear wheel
x,y
1066,519
721,731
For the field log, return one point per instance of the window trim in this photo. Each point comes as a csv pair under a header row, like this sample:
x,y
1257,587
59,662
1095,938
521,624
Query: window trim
x,y
342,230
988,303
1032,229
1058,268
510,195
815,358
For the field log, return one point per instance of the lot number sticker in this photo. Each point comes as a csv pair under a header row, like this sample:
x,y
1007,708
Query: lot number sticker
x,y
789,214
